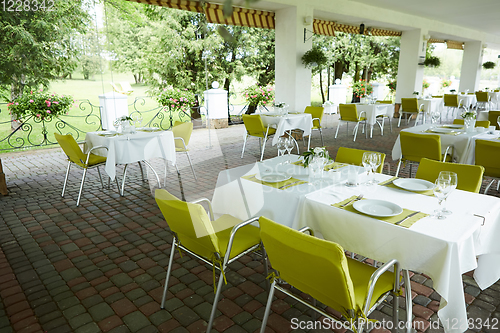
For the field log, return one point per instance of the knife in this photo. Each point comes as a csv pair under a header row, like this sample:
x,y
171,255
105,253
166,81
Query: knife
x,y
288,185
406,218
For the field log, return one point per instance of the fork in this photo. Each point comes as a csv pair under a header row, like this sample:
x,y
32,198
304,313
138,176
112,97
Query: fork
x,y
359,197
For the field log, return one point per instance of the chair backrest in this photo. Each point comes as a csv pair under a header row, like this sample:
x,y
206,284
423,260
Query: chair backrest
x,y
355,156
415,146
482,96
182,130
437,96
126,86
409,105
315,266
479,123
71,149
348,112
470,177
493,118
315,112
383,102
190,222
451,100
254,125
488,155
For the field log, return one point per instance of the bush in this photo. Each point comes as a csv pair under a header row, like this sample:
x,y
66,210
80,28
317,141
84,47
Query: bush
x,y
255,95
362,89
176,99
39,104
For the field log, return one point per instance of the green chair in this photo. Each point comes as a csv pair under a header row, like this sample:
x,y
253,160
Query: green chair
x,y
317,114
493,118
78,158
319,268
487,154
255,127
355,157
479,123
470,177
415,146
483,100
451,102
349,113
217,243
182,134
410,107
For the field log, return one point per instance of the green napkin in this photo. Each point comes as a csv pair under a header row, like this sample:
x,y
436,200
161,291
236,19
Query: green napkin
x,y
392,219
280,185
109,135
331,166
450,133
389,183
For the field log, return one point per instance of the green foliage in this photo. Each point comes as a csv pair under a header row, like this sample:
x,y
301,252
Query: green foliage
x,y
445,83
314,57
489,65
255,95
361,88
425,84
39,104
392,86
175,99
432,61
309,155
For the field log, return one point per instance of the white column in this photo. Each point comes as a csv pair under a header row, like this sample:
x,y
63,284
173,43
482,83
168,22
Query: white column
x,y
471,66
410,73
293,80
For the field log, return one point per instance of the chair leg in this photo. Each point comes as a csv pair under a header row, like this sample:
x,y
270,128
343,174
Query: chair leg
x,y
100,177
268,308
169,270
488,187
81,187
390,123
214,306
408,298
66,178
123,180
191,164
244,143
356,131
337,132
142,171
399,166
263,147
395,310
321,134
399,122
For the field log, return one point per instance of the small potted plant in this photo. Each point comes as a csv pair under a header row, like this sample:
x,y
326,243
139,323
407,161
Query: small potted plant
x,y
329,107
175,99
361,89
432,61
39,104
256,95
489,65
469,117
314,57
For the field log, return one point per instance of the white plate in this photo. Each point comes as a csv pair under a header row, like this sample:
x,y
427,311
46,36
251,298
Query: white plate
x,y
443,130
273,177
453,126
379,208
412,184
148,129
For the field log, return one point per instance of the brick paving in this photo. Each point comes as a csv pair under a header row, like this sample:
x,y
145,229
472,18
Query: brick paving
x,y
100,267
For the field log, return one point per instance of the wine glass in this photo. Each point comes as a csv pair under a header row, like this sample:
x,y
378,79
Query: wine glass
x,y
435,117
289,144
441,190
375,161
281,146
453,178
366,161
116,124
137,119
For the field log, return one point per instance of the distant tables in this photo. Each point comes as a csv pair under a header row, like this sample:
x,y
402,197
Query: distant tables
x,y
284,123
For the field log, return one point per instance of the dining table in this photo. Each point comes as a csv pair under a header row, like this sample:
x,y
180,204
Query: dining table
x,y
432,105
451,135
374,110
442,249
284,123
126,148
468,100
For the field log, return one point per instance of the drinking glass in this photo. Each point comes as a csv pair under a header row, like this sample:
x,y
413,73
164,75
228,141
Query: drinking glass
x,y
289,144
137,119
375,161
453,178
441,190
366,161
435,117
281,146
116,124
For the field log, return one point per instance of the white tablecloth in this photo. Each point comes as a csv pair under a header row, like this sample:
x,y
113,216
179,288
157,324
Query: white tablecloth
x,y
431,104
471,149
461,143
442,249
289,122
129,148
467,100
374,110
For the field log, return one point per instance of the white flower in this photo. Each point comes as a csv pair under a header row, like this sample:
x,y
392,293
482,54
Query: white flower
x,y
319,150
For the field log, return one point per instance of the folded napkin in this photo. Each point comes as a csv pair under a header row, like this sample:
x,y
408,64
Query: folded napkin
x,y
149,129
109,134
392,219
331,166
389,183
279,185
449,133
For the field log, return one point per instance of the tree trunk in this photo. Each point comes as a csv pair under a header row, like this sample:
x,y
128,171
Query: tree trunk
x,y
227,84
338,70
328,84
321,85
16,90
355,99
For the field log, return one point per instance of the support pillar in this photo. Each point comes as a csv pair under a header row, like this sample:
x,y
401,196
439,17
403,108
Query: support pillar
x,y
471,66
293,80
410,73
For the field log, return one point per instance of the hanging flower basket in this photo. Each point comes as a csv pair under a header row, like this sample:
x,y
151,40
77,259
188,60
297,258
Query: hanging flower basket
x,y
40,105
176,99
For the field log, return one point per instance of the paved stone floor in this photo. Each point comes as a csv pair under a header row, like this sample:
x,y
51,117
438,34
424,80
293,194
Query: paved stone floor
x,y
100,267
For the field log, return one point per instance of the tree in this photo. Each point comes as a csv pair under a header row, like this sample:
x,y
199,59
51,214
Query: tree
x,y
36,46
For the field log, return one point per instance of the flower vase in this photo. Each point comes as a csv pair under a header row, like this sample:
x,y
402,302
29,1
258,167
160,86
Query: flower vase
x,y
469,124
363,100
127,128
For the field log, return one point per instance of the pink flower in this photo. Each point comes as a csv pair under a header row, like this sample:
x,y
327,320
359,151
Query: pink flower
x,y
31,92
48,111
17,103
56,102
48,103
38,115
32,101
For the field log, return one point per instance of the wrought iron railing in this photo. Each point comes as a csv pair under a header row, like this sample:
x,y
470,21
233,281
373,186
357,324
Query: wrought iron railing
x,y
34,132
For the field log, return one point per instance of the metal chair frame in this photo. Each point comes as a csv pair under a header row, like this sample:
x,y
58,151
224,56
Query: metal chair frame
x,y
420,112
355,129
261,146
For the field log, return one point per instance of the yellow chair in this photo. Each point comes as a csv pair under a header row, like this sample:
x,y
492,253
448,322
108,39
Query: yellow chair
x,y
470,177
255,127
78,158
217,243
483,100
437,96
355,156
317,114
319,268
384,116
493,118
415,146
410,107
451,102
488,155
349,113
182,134
480,123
